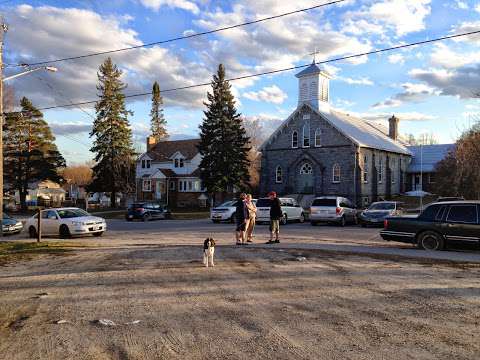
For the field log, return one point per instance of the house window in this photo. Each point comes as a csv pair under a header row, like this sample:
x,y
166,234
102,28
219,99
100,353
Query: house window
x,y
295,139
306,135
143,164
146,164
278,174
365,169
172,185
336,173
306,169
318,140
147,185
179,163
380,170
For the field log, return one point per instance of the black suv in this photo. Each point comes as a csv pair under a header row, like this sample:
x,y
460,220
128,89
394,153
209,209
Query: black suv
x,y
147,211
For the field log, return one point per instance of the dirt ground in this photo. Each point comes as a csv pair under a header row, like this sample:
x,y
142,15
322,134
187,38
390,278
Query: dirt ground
x,y
258,302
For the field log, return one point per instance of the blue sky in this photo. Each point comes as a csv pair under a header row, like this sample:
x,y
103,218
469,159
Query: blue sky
x,y
430,88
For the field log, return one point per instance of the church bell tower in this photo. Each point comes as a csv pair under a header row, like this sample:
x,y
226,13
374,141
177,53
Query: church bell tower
x,y
313,86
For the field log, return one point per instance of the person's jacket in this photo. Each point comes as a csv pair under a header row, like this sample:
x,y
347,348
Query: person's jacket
x,y
252,210
275,209
241,213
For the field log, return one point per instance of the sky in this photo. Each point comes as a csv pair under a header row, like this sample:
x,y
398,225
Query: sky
x,y
431,88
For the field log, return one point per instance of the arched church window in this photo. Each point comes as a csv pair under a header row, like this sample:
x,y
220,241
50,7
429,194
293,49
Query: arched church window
x,y
306,169
306,135
295,139
336,173
318,137
278,174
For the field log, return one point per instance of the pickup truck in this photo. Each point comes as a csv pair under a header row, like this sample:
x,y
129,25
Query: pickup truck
x,y
437,225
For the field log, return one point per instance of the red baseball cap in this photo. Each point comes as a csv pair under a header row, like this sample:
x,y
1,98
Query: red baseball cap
x,y
272,193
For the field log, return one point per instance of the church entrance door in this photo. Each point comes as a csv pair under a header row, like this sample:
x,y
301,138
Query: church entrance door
x,y
305,183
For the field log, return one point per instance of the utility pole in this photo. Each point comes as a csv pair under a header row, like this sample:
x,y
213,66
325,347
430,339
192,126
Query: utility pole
x,y
2,33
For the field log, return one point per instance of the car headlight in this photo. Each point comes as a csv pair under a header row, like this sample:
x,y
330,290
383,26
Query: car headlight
x,y
77,223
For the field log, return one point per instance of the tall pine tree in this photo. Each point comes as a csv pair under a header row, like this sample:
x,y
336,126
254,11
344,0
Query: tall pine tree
x,y
30,153
224,145
158,122
113,138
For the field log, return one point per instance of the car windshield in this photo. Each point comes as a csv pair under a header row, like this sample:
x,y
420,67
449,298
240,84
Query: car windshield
x,y
226,204
5,216
264,203
71,213
325,202
382,206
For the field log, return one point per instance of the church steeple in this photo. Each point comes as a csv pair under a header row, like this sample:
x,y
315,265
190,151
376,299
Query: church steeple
x,y
313,85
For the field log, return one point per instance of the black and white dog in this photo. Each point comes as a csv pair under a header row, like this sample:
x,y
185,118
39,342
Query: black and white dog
x,y
208,251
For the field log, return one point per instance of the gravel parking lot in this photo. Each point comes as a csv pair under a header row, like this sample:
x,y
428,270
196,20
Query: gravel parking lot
x,y
314,296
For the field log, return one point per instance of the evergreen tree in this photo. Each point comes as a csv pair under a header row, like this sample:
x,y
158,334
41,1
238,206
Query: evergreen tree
x,y
30,153
113,137
224,145
158,122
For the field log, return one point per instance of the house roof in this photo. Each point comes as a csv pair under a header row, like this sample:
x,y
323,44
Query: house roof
x,y
426,157
357,130
164,150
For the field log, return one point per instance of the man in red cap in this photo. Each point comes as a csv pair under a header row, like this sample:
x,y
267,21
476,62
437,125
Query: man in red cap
x,y
275,216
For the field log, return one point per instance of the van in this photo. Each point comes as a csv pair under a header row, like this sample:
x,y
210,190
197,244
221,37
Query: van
x,y
290,209
332,209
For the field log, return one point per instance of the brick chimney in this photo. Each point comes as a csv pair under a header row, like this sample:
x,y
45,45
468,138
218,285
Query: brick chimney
x,y
393,127
151,142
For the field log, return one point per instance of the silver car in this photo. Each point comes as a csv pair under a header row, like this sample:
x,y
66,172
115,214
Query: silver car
x,y
332,209
291,210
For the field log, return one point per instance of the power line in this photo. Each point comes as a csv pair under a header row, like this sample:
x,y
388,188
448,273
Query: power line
x,y
184,37
281,70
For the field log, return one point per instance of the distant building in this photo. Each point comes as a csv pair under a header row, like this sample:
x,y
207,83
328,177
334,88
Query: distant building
x,y
168,173
421,171
320,151
43,193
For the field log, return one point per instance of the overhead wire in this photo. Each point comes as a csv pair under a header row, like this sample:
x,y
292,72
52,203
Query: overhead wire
x,y
271,72
183,37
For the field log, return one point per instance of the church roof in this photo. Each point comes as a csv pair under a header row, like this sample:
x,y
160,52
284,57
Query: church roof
x,y
426,157
312,69
357,130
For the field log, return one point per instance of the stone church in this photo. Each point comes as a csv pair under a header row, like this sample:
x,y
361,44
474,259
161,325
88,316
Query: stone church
x,y
320,151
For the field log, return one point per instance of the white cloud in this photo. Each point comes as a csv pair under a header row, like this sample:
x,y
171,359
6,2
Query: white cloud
x,y
396,59
477,8
180,4
402,16
39,34
271,94
412,92
360,81
461,5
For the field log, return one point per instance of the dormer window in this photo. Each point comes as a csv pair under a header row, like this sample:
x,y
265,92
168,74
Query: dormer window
x,y
146,163
179,162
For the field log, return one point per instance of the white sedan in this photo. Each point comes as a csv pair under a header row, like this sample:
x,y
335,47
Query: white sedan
x,y
66,222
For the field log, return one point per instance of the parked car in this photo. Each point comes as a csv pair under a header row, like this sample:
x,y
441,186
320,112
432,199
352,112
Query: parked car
x,y
332,209
11,226
378,211
225,211
290,209
449,198
66,222
437,225
147,211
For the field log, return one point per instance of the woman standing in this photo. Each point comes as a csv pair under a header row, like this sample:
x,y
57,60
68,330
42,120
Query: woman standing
x,y
252,215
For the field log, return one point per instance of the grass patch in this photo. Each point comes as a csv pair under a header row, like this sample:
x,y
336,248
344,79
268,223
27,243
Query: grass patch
x,y
11,251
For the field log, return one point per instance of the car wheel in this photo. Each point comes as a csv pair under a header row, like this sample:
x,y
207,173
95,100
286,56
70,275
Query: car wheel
x,y
64,232
431,241
215,221
128,219
363,225
32,232
313,223
302,218
98,234
146,217
342,221
284,219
